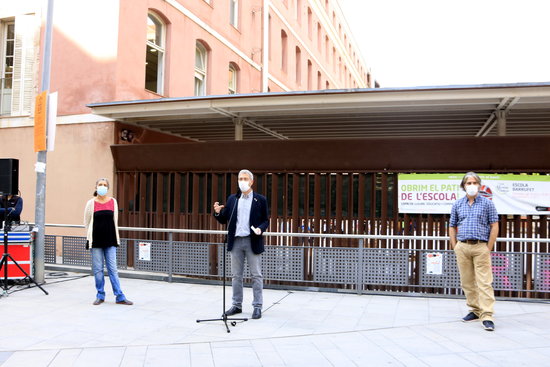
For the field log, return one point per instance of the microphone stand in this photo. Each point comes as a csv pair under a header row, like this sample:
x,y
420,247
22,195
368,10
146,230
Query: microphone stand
x,y
224,317
6,256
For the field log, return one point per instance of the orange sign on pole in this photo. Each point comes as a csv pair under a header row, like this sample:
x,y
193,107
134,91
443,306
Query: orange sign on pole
x,y
40,121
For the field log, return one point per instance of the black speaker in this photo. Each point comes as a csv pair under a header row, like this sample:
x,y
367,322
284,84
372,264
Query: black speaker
x,y
9,176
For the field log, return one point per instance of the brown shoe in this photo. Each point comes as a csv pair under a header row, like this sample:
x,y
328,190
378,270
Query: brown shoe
x,y
98,301
125,302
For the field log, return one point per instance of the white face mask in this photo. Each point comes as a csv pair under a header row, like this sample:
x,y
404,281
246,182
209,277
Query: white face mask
x,y
244,186
472,190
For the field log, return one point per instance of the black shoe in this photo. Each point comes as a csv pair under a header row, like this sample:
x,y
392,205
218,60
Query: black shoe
x,y
98,301
257,314
125,302
233,311
488,325
470,317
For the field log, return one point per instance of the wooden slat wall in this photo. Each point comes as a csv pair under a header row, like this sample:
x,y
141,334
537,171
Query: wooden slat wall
x,y
353,203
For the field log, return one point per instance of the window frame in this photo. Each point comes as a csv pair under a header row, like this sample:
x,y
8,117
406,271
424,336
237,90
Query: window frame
x,y
298,65
4,25
298,11
233,79
284,51
201,74
234,13
161,50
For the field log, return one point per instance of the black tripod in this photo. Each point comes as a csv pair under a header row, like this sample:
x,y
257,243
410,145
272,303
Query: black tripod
x,y
6,256
224,317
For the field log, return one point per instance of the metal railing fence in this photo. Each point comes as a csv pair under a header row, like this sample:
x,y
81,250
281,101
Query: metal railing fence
x,y
380,263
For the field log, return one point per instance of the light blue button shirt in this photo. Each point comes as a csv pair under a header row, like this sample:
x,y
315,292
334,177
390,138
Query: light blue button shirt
x,y
243,215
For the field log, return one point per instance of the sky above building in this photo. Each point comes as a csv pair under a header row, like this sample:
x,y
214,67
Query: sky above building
x,y
410,43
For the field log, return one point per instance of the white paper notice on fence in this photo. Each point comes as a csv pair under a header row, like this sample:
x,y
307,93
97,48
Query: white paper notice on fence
x,y
145,251
434,263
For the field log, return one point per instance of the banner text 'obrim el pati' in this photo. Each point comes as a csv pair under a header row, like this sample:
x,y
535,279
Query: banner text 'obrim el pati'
x,y
512,193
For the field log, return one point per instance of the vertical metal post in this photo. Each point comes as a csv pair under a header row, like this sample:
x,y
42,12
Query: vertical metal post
x,y
170,256
360,265
501,122
40,209
238,128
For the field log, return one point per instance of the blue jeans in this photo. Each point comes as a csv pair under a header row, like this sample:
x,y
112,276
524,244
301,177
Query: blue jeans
x,y
109,255
242,249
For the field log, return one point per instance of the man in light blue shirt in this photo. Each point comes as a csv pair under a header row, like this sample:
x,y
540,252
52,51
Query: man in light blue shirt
x,y
473,229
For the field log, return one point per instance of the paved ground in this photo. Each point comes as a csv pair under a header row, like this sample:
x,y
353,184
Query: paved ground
x,y
298,329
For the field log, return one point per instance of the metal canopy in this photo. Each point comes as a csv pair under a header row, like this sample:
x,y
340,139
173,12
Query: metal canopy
x,y
465,111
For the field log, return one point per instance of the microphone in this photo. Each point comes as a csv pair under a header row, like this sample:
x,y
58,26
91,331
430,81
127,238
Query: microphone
x,y
237,196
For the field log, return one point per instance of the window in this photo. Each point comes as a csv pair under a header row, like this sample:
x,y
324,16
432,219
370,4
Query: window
x,y
298,65
234,13
154,59
339,68
7,48
327,48
299,11
284,50
309,23
319,38
309,75
18,52
345,76
232,86
200,69
319,81
269,45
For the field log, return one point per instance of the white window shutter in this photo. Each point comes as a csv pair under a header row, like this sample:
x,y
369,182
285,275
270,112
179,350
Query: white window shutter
x,y
25,64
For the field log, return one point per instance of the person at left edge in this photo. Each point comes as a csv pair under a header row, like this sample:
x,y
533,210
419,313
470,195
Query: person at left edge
x,y
11,209
101,222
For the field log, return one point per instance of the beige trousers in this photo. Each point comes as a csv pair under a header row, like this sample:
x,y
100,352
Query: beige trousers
x,y
476,277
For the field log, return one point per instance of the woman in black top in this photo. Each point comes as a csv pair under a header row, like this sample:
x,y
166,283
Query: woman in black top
x,y
101,221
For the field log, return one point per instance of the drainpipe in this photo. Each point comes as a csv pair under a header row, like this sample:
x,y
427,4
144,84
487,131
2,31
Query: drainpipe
x,y
265,45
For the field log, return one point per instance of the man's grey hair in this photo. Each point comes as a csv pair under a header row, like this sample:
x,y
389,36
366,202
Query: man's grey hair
x,y
245,171
465,178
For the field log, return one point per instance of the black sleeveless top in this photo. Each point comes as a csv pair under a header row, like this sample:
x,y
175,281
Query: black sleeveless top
x,y
104,231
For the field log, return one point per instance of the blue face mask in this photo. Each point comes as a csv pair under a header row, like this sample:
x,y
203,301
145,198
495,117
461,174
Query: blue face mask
x,y
102,190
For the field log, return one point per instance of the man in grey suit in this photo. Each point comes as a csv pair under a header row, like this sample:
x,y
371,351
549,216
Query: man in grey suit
x,y
247,218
